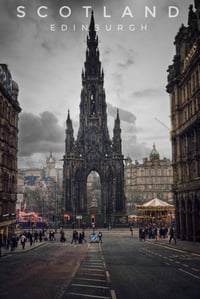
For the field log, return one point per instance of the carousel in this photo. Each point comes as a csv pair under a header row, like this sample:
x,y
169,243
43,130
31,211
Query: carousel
x,y
156,212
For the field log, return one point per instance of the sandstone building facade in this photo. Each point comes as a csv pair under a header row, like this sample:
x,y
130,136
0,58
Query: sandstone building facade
x,y
184,89
147,180
9,111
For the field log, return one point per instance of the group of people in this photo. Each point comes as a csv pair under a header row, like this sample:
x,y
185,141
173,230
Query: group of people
x,y
152,232
38,236
31,237
12,241
78,238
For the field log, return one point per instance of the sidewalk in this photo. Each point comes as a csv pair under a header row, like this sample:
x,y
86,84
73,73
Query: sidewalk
x,y
188,246
5,252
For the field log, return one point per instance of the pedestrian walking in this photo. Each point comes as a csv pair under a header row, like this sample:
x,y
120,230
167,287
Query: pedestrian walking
x,y
83,236
51,236
80,238
62,235
40,236
100,235
31,238
109,226
93,227
74,237
172,235
131,230
35,236
23,240
155,232
142,233
13,242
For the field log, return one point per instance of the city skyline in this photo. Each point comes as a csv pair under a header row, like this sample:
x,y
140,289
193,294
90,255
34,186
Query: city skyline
x,y
47,66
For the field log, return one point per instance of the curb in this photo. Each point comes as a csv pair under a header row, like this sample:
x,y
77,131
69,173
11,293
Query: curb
x,y
179,246
18,251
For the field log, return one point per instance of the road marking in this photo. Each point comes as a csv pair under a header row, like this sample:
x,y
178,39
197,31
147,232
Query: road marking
x,y
195,276
90,279
94,261
194,269
168,247
89,296
92,269
167,264
113,294
91,274
184,265
175,249
107,276
93,266
89,286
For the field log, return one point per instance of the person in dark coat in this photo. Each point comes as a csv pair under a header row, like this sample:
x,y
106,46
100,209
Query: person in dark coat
x,y
172,235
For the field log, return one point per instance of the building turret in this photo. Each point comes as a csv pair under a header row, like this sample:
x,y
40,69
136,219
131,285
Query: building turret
x,y
69,141
117,135
154,154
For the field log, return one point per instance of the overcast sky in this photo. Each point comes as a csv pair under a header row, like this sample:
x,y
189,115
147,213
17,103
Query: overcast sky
x,y
47,66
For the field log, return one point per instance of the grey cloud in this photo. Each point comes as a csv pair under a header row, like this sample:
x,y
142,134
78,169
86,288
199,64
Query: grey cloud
x,y
125,115
48,46
107,52
39,134
147,93
135,151
130,145
129,57
127,63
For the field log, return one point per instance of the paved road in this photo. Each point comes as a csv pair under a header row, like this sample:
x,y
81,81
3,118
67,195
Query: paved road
x,y
43,272
121,267
150,269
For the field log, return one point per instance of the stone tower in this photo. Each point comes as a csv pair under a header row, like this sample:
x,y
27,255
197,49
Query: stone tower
x,y
93,150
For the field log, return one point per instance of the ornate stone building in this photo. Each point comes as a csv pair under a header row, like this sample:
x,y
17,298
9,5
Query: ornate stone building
x,y
184,89
9,110
93,150
147,180
40,190
50,169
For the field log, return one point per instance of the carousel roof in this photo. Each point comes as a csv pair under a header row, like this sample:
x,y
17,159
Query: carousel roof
x,y
155,203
